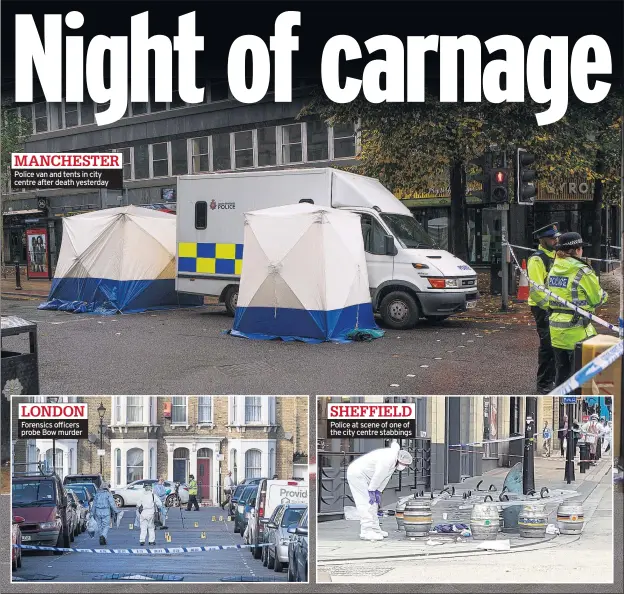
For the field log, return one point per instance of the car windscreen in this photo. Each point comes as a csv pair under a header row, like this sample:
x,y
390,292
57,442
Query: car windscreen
x,y
91,488
292,516
239,491
408,231
69,480
80,492
33,493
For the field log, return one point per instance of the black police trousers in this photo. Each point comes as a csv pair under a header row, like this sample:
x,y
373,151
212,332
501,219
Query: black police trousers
x,y
546,356
564,365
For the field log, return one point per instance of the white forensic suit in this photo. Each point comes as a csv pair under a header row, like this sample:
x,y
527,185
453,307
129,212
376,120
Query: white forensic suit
x,y
371,472
147,505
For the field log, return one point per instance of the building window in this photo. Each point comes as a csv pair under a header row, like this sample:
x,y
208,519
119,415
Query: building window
x,y
140,108
71,114
58,454
201,215
141,162
134,465
204,409
87,113
134,409
178,410
117,467
253,464
291,144
180,465
253,409
234,409
344,141
179,157
219,90
41,117
117,410
160,160
267,147
200,156
317,141
126,157
234,466
221,158
243,149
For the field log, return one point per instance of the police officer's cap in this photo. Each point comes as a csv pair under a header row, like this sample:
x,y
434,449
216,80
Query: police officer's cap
x,y
571,240
551,230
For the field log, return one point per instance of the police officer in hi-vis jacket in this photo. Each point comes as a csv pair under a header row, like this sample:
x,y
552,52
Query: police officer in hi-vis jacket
x,y
539,264
573,280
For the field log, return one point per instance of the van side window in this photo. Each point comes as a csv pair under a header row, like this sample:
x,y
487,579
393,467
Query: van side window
x,y
373,235
201,215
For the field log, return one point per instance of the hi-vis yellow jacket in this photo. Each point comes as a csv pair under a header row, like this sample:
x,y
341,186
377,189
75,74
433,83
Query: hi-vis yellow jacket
x,y
575,281
538,273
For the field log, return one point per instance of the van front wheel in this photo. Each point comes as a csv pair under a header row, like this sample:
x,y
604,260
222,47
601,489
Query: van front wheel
x,y
399,310
231,299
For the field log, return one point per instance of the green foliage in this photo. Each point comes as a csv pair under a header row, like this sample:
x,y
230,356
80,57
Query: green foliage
x,y
13,132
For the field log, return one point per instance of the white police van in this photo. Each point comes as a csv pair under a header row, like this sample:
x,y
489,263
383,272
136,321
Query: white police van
x,y
409,277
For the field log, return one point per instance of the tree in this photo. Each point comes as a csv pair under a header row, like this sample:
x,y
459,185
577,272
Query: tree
x,y
13,133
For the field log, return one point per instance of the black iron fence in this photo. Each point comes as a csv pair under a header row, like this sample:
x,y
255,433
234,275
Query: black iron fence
x,y
333,488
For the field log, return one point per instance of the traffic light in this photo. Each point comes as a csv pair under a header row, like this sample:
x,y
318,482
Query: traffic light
x,y
499,186
478,182
525,178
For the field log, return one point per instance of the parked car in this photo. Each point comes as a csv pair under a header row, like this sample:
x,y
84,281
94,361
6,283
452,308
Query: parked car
x,y
239,491
278,536
298,550
84,497
96,479
80,510
90,487
242,508
42,501
267,532
128,496
73,516
16,539
270,494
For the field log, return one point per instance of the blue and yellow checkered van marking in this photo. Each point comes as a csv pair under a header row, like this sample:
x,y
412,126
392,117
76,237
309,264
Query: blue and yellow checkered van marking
x,y
210,258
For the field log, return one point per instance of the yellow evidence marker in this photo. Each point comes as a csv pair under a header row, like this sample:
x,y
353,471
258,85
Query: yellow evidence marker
x,y
203,535
214,518
220,518
167,537
131,527
196,524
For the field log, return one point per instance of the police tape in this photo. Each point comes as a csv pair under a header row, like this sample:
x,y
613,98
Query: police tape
x,y
593,368
526,249
473,443
590,316
141,551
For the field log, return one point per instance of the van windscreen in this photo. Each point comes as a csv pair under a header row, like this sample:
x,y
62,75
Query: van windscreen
x,y
292,516
408,231
33,493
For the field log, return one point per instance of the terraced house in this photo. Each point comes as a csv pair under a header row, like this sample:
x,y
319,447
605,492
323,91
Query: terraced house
x,y
145,437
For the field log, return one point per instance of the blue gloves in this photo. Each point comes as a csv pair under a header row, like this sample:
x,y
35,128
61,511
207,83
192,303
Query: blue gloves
x,y
374,497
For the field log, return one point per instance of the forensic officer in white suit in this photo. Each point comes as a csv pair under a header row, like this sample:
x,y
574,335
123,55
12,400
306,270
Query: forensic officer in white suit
x,y
147,505
368,476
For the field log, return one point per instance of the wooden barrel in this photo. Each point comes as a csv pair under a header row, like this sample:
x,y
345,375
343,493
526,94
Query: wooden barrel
x,y
570,518
399,515
484,521
532,521
417,518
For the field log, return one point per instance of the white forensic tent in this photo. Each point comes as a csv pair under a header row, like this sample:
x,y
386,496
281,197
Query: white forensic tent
x,y
304,276
117,260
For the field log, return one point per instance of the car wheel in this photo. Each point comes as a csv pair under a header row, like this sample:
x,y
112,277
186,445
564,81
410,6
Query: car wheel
x,y
119,502
231,299
291,575
257,552
265,560
399,310
305,575
59,544
235,527
72,536
279,566
19,558
271,560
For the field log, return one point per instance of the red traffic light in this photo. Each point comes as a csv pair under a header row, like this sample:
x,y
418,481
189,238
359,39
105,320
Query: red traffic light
x,y
500,177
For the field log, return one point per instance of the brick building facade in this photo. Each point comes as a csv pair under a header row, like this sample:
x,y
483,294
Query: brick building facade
x,y
174,436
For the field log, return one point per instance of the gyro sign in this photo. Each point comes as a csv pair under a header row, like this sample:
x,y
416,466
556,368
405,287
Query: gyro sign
x,y
58,421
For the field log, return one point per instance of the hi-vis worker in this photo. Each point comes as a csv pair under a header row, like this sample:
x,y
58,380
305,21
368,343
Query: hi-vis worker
x,y
573,280
368,476
539,265
192,487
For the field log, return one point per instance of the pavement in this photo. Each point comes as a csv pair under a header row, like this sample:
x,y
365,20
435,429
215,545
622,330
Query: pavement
x,y
209,566
343,558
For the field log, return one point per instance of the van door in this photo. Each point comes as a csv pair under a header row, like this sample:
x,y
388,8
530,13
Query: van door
x,y
380,266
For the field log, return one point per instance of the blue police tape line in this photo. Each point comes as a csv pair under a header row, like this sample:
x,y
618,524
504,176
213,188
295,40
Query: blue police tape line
x,y
463,445
141,551
526,249
593,368
590,316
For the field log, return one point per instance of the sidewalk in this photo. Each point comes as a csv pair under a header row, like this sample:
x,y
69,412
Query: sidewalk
x,y
31,289
338,541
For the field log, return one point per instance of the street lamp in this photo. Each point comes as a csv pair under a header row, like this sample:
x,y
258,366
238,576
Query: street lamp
x,y
101,411
53,400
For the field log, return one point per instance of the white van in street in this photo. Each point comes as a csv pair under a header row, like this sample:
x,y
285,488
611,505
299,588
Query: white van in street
x,y
409,277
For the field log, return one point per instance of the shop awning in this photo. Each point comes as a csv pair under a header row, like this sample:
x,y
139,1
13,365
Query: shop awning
x,y
11,213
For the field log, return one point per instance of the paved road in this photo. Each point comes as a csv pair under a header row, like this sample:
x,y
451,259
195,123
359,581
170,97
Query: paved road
x,y
209,566
187,352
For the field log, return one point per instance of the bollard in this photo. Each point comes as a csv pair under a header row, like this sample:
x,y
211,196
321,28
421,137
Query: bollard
x,y
484,521
18,283
417,519
570,518
532,521
584,457
399,515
